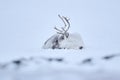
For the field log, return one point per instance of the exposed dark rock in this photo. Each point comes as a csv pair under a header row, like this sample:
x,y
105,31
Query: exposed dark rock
x,y
50,59
17,62
109,57
55,59
88,60
59,59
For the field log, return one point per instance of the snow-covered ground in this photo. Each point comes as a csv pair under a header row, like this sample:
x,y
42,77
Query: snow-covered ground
x,y
63,65
26,24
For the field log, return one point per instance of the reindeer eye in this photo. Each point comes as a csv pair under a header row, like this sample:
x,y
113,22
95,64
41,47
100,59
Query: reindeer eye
x,y
56,41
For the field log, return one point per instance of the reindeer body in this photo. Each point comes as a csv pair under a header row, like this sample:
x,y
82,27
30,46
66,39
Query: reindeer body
x,y
74,41
63,39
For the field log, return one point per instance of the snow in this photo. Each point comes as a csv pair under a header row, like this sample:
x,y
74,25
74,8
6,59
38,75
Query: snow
x,y
26,24
62,65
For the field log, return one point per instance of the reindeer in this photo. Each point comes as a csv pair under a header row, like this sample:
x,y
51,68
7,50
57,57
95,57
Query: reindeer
x,y
63,39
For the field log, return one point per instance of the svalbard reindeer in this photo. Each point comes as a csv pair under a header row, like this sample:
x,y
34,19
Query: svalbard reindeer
x,y
63,39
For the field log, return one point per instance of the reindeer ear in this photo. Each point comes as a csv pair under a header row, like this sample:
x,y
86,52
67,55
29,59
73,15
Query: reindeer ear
x,y
67,35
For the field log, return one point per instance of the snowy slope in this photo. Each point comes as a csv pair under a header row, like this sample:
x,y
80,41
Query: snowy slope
x,y
63,65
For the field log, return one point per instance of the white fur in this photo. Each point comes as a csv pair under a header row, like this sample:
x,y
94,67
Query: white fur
x,y
48,44
74,41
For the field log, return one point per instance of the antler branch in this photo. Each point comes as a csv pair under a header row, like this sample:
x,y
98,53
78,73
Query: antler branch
x,y
57,29
62,18
66,27
67,20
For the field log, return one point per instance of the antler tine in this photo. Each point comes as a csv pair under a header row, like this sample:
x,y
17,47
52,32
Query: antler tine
x,y
57,29
61,17
60,33
67,20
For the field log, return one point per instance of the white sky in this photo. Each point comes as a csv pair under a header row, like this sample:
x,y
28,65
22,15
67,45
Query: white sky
x,y
26,24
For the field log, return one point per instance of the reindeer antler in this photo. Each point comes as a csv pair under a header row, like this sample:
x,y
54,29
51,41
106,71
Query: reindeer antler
x,y
66,27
